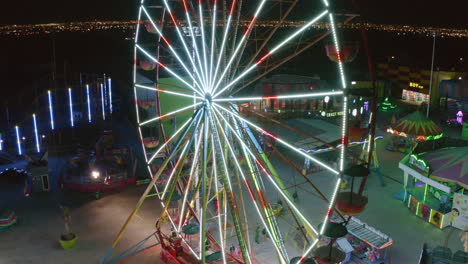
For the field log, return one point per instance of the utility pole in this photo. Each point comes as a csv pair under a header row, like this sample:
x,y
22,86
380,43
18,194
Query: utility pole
x,y
432,72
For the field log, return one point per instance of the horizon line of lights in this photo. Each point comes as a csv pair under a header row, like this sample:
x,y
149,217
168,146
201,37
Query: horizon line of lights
x,y
88,26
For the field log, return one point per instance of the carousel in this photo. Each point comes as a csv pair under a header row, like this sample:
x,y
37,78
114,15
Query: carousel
x,y
435,185
108,167
410,130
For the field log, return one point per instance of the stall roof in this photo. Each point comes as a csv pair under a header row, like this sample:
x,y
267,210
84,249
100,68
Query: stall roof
x,y
448,165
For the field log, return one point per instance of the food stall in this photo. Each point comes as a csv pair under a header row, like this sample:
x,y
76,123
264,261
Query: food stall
x,y
437,178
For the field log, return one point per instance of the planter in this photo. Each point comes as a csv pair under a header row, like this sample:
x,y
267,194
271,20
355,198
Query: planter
x,y
68,243
351,203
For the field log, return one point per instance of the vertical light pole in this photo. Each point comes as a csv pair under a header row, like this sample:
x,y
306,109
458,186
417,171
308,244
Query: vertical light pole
x,y
102,103
18,141
88,103
36,137
70,102
109,87
105,89
51,110
432,72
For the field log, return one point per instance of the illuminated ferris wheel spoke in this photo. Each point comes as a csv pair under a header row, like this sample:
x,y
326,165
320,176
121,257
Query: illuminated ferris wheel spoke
x,y
272,51
256,179
190,107
344,126
218,201
165,206
239,45
213,34
277,244
199,81
168,70
230,198
279,97
270,218
191,120
168,92
200,11
174,169
184,44
188,184
223,43
270,178
195,44
297,150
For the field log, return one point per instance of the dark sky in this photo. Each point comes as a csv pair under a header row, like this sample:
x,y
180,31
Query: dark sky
x,y
24,62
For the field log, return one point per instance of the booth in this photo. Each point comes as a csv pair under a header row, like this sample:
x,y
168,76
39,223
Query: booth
x,y
369,245
432,181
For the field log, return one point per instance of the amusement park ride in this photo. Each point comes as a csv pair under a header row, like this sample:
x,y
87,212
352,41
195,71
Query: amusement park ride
x,y
215,183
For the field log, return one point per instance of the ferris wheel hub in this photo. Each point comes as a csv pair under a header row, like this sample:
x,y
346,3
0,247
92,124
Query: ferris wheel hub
x,y
208,99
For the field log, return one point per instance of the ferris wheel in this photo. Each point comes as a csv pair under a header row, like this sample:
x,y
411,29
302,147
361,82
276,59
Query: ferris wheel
x,y
223,197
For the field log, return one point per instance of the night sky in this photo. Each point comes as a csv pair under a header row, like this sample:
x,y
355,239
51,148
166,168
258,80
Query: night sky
x,y
25,62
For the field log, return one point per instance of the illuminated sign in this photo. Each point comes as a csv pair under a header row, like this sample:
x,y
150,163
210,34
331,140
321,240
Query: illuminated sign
x,y
416,85
419,163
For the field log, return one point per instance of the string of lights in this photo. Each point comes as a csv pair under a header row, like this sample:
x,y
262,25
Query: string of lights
x,y
129,26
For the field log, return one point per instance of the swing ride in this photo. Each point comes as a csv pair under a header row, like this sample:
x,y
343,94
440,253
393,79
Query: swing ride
x,y
210,172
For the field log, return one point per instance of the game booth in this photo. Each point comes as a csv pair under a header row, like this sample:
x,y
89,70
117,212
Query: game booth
x,y
435,185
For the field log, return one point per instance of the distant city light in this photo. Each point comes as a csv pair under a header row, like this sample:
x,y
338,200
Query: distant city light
x,y
354,112
23,138
353,82
393,57
43,136
1,142
51,110
459,78
38,148
327,99
70,102
18,141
